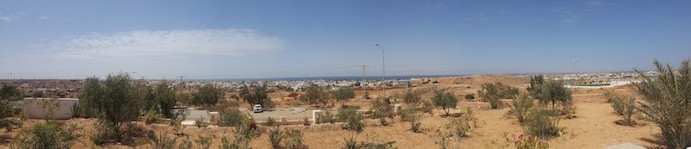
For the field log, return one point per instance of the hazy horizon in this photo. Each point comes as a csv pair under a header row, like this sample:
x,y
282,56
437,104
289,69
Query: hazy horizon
x,y
295,39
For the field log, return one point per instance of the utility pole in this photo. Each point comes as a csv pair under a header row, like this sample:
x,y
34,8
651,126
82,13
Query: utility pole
x,y
383,70
575,68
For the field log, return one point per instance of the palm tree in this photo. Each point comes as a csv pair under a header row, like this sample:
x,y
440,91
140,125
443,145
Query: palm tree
x,y
667,97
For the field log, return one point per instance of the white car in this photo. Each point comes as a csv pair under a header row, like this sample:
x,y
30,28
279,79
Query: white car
x,y
257,108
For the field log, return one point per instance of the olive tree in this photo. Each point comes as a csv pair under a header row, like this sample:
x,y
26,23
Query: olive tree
x,y
343,93
444,100
8,94
207,95
315,95
165,99
668,102
116,101
256,95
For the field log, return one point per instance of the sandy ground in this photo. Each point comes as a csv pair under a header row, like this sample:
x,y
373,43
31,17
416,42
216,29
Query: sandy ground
x,y
593,127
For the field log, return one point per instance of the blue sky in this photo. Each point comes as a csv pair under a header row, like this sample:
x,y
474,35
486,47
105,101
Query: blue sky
x,y
305,38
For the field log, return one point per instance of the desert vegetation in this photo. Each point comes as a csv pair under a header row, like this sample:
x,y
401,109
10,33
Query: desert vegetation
x,y
667,102
538,116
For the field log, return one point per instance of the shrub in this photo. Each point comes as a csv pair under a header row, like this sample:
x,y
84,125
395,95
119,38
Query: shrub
x,y
293,139
543,122
275,136
329,117
382,108
8,94
162,142
225,144
411,98
77,111
354,122
529,142
428,106
470,97
444,100
521,106
344,114
271,122
492,93
407,114
343,93
568,110
152,117
185,144
415,124
629,111
232,117
350,143
243,135
618,104
102,135
45,135
204,141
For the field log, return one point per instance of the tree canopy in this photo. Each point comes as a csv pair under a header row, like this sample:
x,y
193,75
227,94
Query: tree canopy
x,y
315,95
256,95
207,95
116,101
165,98
444,100
343,93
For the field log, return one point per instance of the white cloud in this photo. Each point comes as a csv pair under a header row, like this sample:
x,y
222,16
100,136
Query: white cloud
x,y
8,17
170,43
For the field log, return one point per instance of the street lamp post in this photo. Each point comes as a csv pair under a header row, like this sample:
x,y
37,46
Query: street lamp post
x,y
383,72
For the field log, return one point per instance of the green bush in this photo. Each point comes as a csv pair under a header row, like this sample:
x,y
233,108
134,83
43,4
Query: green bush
x,y
444,100
521,106
381,108
46,135
185,144
293,139
275,137
271,122
204,141
244,134
162,142
543,122
233,118
103,134
470,97
492,93
350,143
354,122
329,117
618,104
225,144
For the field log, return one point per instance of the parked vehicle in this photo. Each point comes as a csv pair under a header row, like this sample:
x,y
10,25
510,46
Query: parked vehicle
x,y
258,108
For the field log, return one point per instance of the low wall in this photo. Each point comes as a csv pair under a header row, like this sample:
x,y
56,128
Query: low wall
x,y
39,108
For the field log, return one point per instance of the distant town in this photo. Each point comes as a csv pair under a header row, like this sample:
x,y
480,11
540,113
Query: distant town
x,y
69,88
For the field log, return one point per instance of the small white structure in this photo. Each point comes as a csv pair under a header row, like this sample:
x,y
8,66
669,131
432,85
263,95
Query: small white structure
x,y
56,108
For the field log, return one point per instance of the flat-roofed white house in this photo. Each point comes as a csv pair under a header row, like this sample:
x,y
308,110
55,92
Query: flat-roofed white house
x,y
39,108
